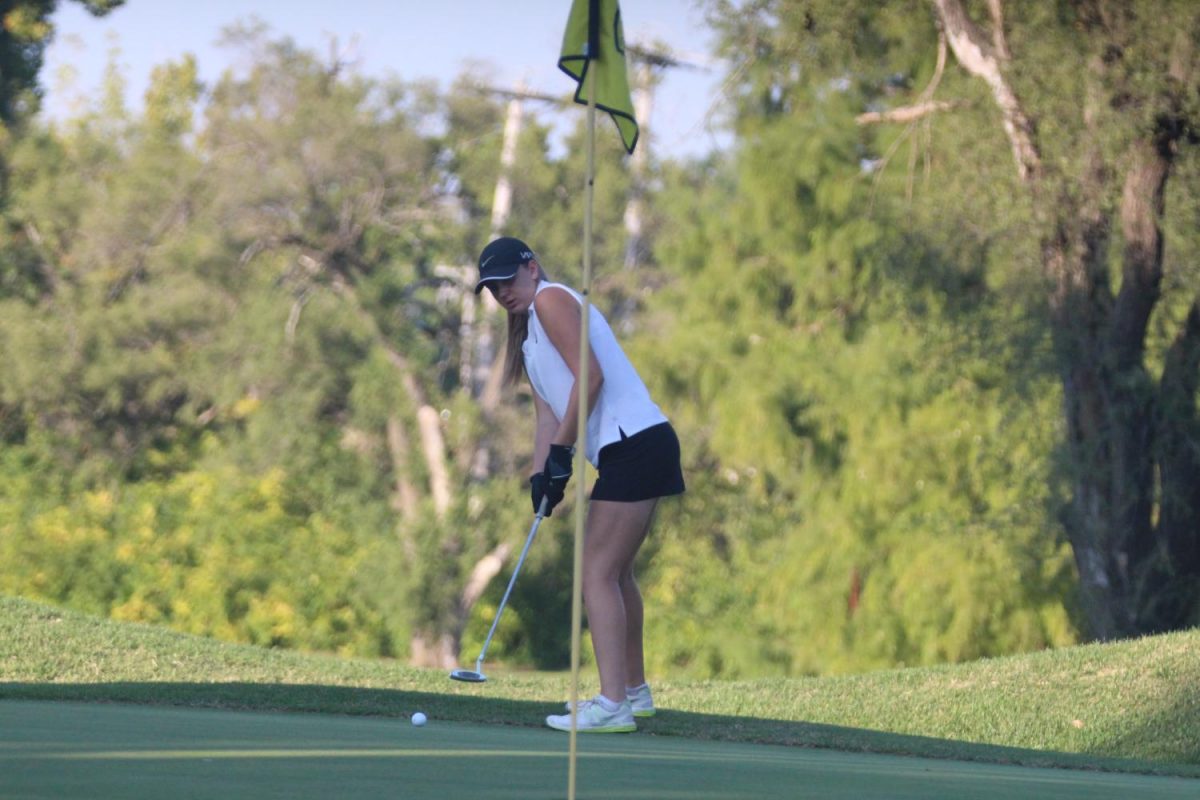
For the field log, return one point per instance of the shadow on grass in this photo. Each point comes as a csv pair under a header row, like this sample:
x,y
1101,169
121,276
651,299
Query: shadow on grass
x,y
473,705
1169,734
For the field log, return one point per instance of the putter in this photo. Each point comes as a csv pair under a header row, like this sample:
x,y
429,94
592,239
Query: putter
x,y
476,675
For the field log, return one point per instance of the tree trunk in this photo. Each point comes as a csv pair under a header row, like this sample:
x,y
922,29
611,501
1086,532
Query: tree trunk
x,y
1136,576
441,648
1176,602
1109,397
433,649
1108,415
635,206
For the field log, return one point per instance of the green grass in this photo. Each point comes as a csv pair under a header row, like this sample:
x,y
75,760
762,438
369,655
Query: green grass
x,y
1129,706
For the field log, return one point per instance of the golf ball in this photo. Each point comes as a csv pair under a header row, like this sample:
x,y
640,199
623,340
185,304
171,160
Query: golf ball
x,y
418,719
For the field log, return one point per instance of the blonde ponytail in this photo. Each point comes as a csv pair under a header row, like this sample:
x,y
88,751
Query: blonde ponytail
x,y
514,358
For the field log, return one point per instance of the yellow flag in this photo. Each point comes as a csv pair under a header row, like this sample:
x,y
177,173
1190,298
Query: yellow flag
x,y
599,21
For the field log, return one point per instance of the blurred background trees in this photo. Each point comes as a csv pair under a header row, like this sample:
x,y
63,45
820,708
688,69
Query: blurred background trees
x,y
246,392
24,34
1084,116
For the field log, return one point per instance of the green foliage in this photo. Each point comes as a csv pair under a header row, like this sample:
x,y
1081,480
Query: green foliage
x,y
222,316
174,330
889,422
24,34
178,404
1092,80
213,553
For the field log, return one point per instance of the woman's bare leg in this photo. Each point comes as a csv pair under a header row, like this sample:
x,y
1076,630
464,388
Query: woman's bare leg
x,y
635,660
615,531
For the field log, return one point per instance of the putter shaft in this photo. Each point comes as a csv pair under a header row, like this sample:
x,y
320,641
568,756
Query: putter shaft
x,y
478,674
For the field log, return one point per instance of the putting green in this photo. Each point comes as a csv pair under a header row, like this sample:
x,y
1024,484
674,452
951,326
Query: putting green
x,y
73,751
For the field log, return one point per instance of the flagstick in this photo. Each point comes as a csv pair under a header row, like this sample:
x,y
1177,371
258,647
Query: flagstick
x,y
581,441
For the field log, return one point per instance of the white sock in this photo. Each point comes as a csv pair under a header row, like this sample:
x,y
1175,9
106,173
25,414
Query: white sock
x,y
635,689
606,704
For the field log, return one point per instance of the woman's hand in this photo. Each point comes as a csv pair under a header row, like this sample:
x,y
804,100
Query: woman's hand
x,y
551,483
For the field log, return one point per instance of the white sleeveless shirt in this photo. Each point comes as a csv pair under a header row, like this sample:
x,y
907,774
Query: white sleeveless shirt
x,y
624,405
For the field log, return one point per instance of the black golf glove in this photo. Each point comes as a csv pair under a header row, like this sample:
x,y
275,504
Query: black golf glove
x,y
551,483
537,490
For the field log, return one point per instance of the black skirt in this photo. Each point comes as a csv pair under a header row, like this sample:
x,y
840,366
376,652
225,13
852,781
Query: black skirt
x,y
640,467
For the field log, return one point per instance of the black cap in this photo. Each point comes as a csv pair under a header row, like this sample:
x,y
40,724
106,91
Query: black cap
x,y
501,259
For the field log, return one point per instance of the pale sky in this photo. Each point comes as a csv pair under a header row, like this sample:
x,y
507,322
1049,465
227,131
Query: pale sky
x,y
411,39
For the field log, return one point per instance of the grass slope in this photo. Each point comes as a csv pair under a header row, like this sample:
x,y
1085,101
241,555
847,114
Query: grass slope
x,y
1129,706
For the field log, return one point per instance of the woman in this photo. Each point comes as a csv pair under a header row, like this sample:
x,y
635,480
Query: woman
x,y
629,441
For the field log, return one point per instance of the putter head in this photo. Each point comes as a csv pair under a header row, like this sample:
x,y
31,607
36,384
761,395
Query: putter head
x,y
467,676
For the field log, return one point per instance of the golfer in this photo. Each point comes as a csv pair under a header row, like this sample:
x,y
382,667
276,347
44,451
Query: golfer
x,y
630,443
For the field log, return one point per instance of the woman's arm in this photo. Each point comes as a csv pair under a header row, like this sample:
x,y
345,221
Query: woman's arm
x,y
561,315
543,433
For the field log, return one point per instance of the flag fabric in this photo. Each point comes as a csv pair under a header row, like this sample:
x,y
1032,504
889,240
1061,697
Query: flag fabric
x,y
595,39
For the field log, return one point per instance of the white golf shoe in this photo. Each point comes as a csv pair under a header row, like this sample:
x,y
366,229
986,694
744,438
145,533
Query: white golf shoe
x,y
640,700
594,718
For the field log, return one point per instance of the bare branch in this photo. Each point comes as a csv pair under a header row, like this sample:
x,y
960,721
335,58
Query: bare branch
x,y
428,420
524,94
925,104
429,423
293,320
925,107
405,499
907,113
938,71
657,58
482,573
996,9
46,262
980,58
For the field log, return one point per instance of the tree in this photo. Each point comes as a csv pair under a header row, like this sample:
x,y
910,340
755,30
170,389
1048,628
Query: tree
x,y
869,465
1097,104
166,321
25,32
